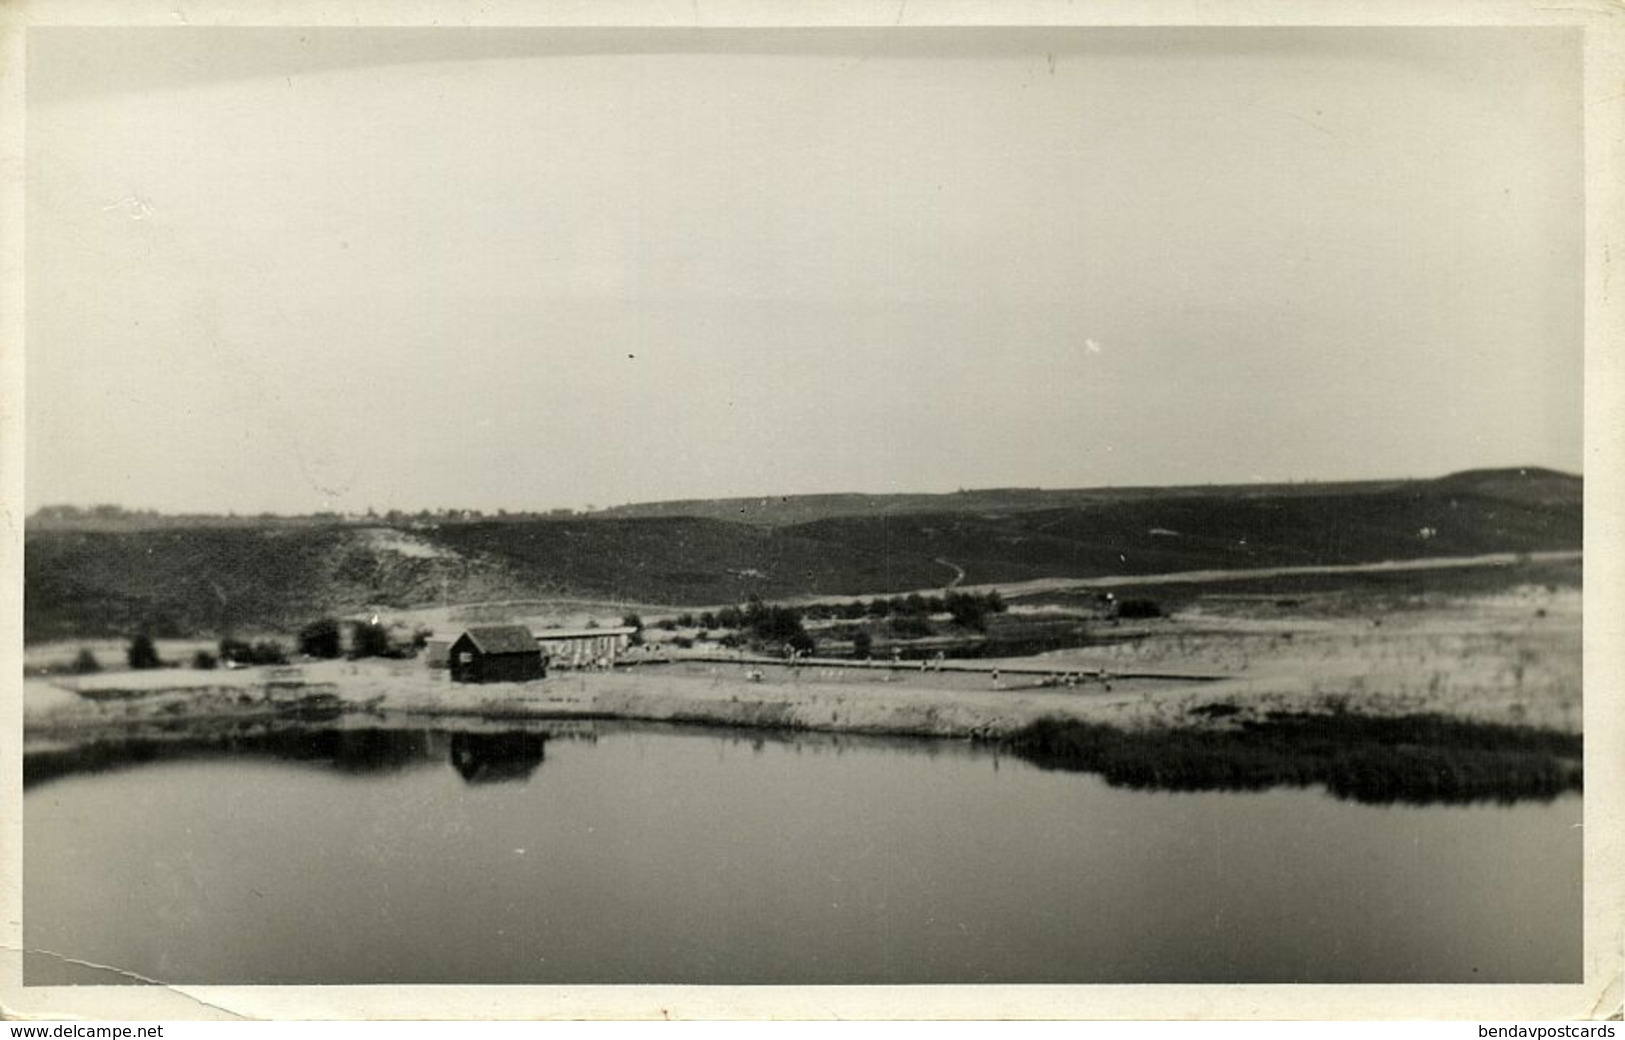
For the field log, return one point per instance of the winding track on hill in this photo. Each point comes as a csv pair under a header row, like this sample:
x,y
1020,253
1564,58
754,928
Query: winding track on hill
x,y
959,572
1036,586
1039,585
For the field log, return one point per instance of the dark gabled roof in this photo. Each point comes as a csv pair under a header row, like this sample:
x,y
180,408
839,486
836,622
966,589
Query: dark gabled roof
x,y
502,639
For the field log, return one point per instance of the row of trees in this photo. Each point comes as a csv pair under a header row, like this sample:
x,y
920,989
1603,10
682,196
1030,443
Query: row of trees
x,y
141,653
322,639
780,625
967,609
756,622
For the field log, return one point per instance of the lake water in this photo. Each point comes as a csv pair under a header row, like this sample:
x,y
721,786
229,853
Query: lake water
x,y
623,854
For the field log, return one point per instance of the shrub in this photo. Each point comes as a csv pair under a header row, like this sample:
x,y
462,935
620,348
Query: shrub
x,y
1139,608
320,638
862,644
142,653
708,620
968,611
777,623
204,661
369,640
632,621
683,643
85,663
264,652
268,652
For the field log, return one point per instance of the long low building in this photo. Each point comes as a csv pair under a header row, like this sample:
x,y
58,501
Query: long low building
x,y
584,647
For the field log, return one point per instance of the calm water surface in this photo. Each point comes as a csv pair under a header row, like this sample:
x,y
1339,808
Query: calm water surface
x,y
625,854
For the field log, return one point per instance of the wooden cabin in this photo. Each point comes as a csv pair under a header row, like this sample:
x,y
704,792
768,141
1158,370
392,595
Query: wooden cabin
x,y
496,653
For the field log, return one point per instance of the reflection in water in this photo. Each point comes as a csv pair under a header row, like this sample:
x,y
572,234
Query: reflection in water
x,y
1409,759
1413,760
477,756
687,856
485,758
348,750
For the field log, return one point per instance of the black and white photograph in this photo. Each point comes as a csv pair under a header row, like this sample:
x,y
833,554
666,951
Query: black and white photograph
x,y
894,503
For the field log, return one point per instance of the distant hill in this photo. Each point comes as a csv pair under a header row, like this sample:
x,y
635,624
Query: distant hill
x,y
202,577
786,510
1530,486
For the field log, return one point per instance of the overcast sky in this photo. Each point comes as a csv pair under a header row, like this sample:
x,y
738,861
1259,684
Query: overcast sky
x,y
290,270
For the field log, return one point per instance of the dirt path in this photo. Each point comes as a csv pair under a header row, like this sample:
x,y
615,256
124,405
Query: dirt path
x,y
1038,585
959,572
453,615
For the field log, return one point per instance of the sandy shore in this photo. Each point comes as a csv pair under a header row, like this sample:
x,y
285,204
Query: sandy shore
x,y
832,699
1513,658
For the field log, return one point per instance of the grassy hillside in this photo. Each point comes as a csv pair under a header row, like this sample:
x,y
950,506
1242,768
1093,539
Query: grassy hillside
x,y
208,579
1159,534
677,559
205,578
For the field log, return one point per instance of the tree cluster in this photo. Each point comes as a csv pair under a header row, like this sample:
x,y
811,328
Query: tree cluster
x,y
324,639
143,653
321,638
763,623
967,609
370,639
240,651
